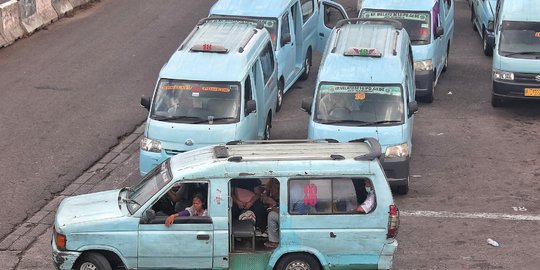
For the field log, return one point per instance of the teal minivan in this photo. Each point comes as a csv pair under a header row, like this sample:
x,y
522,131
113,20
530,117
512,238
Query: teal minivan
x,y
366,88
335,211
430,25
297,28
516,56
220,85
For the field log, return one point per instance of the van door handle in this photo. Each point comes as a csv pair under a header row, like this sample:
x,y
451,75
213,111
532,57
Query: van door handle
x,y
203,237
332,235
321,34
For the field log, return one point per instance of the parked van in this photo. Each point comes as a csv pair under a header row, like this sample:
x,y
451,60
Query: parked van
x,y
482,17
516,56
365,87
220,85
333,210
430,25
297,28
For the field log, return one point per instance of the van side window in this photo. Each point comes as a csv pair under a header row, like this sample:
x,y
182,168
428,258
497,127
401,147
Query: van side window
x,y
188,200
285,29
267,62
248,93
307,9
331,196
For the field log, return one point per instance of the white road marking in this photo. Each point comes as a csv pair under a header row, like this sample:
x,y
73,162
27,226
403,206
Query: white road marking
x,y
445,214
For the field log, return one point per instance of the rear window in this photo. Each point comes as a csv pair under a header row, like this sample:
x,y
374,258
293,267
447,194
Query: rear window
x,y
331,196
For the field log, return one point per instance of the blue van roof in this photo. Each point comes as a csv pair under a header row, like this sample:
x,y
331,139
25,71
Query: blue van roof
x,y
418,5
186,64
255,8
521,10
363,69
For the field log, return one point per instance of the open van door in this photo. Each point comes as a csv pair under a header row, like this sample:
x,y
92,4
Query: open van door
x,y
329,14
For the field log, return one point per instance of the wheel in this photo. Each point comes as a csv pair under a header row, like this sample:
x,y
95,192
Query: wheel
x,y
488,50
496,101
93,261
279,96
445,67
300,261
403,190
431,96
307,66
267,129
473,18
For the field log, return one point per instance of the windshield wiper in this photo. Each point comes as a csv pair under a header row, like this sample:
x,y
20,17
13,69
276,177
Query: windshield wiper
x,y
128,200
174,118
385,122
215,119
345,121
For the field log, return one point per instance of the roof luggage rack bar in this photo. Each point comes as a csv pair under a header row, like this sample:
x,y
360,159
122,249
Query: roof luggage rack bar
x,y
246,41
282,141
336,40
189,36
394,46
375,149
394,23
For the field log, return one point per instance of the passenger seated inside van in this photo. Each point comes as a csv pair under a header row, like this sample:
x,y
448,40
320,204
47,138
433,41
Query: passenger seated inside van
x,y
246,194
198,208
364,195
270,198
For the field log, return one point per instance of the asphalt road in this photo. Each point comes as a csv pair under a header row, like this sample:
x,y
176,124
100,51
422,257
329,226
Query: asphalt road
x,y
475,169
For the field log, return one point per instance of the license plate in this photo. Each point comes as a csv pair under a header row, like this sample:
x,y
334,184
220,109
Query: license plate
x,y
532,92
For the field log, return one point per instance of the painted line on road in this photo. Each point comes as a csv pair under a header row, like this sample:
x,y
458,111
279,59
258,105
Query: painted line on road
x,y
444,214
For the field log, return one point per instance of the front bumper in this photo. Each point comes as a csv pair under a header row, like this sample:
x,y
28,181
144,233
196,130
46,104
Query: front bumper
x,y
387,255
63,260
512,89
396,170
424,82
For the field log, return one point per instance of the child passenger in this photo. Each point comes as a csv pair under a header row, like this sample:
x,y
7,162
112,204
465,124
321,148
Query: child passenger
x,y
198,208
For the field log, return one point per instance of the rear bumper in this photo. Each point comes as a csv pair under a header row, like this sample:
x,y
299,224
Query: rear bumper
x,y
387,255
396,170
424,82
516,90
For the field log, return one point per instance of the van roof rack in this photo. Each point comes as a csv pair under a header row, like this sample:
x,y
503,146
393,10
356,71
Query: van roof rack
x,y
269,153
396,24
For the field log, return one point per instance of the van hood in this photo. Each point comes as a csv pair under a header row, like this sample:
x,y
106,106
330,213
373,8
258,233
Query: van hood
x,y
185,137
88,208
387,136
512,64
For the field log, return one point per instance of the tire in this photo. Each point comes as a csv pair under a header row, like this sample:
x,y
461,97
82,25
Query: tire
x,y
473,18
298,261
403,190
307,66
279,96
488,50
496,101
92,261
267,128
445,67
431,96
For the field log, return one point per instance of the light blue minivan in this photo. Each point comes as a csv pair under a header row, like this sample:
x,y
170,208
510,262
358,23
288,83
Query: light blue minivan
x,y
220,85
430,25
365,88
297,28
482,18
516,56
334,210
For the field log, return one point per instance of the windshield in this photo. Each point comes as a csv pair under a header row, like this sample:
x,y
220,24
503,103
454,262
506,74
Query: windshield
x,y
359,105
153,182
520,39
196,102
417,24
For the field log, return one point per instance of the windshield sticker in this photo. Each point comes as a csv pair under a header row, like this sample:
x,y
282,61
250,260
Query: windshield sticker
x,y
395,15
216,89
310,194
176,87
360,91
424,31
425,25
537,34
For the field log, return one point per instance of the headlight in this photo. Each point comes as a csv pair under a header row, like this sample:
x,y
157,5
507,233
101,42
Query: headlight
x,y
395,151
503,75
150,145
60,240
423,65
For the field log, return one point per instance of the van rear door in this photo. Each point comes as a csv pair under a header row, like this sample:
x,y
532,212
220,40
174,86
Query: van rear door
x,y
329,14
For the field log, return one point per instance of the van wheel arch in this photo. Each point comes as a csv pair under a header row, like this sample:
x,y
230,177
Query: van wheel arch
x,y
311,261
112,258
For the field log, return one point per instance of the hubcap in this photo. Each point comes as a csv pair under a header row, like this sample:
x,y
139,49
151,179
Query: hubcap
x,y
280,96
307,65
297,265
88,266
267,132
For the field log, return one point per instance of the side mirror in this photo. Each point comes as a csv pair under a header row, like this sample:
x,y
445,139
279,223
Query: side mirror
x,y
439,31
286,38
413,107
148,216
251,106
306,105
145,102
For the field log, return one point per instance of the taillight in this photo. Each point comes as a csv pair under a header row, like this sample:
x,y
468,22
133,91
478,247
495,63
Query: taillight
x,y
393,222
60,240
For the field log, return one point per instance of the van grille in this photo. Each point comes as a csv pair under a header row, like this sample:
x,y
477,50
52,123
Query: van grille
x,y
528,78
172,152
